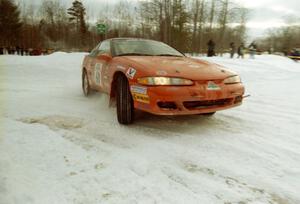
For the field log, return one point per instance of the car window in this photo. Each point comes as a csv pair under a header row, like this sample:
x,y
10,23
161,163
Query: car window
x,y
104,47
95,51
142,47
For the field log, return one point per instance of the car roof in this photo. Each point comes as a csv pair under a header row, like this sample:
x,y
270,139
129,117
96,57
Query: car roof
x,y
113,39
116,39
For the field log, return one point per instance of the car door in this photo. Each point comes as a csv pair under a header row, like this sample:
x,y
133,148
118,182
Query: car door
x,y
90,63
99,63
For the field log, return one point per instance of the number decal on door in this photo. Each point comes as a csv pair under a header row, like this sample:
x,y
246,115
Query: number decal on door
x,y
97,73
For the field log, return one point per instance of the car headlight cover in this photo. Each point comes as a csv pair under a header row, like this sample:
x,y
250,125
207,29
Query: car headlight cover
x,y
164,81
232,80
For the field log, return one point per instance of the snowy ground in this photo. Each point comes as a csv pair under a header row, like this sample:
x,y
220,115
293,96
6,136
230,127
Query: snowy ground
x,y
57,146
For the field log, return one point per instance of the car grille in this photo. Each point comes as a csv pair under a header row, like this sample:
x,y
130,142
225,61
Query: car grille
x,y
167,105
206,104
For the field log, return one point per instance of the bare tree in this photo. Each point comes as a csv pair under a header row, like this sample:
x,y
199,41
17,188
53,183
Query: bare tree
x,y
201,25
184,24
53,24
124,17
195,18
223,20
212,15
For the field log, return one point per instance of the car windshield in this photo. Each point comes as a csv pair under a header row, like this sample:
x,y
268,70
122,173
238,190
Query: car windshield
x,y
123,47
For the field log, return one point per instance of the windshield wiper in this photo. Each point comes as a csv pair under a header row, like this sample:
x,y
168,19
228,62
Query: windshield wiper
x,y
169,55
133,54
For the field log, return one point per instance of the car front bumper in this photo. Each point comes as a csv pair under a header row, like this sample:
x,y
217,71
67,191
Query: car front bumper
x,y
188,100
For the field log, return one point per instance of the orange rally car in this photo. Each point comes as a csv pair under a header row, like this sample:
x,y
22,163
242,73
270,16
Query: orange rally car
x,y
154,77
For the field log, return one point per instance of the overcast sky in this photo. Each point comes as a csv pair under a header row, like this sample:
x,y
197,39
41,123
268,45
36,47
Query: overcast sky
x,y
264,13
270,13
267,14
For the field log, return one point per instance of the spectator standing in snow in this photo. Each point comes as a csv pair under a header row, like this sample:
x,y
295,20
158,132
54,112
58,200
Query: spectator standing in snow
x,y
232,49
26,52
18,50
211,48
252,49
22,51
241,51
1,51
5,52
8,50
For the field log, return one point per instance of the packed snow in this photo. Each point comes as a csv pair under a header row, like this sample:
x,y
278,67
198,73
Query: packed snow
x,y
57,146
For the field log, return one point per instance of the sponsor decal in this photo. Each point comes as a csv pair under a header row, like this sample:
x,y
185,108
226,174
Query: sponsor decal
x,y
139,94
212,86
131,72
138,89
143,98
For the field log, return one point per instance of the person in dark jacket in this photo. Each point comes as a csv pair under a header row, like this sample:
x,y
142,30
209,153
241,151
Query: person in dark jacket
x,y
211,48
252,49
241,51
22,50
18,48
232,49
1,51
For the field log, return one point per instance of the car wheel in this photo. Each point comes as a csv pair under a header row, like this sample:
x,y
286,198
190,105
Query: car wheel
x,y
85,84
125,109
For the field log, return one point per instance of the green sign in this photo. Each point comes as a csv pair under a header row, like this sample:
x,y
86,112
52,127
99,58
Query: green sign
x,y
101,28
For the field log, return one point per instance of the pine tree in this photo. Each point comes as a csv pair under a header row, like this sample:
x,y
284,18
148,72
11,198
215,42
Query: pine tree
x,y
77,14
10,25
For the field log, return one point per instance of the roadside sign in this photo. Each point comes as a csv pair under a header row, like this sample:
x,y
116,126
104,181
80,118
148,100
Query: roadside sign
x,y
101,28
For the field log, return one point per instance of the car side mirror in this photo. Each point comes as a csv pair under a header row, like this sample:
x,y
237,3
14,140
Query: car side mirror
x,y
105,56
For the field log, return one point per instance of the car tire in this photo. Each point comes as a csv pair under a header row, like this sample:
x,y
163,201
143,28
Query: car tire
x,y
125,108
85,84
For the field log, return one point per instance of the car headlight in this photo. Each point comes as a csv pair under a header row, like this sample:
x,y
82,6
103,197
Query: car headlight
x,y
164,81
232,80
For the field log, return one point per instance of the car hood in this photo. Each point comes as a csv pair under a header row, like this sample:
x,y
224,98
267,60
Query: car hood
x,y
183,67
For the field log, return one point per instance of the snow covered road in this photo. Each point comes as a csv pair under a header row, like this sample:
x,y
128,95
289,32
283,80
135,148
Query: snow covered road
x,y
56,146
